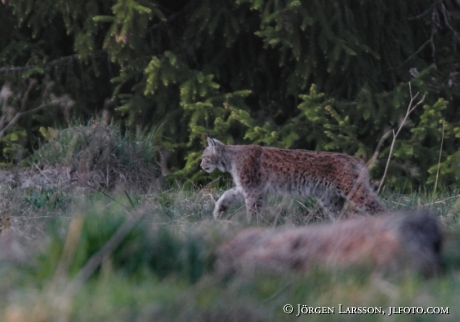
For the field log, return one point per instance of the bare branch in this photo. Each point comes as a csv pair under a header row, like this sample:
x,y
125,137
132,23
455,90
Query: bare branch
x,y
388,162
5,94
423,13
16,118
440,17
439,159
416,53
446,19
52,63
25,98
410,109
371,162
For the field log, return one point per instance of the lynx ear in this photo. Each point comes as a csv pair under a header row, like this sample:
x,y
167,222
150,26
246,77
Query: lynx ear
x,y
211,141
214,142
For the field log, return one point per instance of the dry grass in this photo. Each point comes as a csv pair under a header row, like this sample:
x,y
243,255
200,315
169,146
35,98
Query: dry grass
x,y
100,157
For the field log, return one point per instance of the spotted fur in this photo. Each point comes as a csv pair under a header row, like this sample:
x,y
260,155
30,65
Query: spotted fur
x,y
331,177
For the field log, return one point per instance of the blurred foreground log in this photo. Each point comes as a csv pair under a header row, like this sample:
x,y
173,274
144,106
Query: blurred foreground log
x,y
388,243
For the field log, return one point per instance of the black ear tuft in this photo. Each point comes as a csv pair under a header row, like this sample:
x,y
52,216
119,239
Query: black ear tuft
x,y
211,141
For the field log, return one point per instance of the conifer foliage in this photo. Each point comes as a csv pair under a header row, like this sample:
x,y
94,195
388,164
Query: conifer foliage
x,y
326,75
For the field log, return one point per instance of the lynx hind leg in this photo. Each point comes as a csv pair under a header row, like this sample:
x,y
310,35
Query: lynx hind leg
x,y
363,197
367,200
361,193
228,198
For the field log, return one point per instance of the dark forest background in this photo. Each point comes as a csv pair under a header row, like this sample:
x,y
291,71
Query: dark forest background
x,y
320,75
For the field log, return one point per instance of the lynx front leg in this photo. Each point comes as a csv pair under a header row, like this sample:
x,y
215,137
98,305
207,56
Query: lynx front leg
x,y
332,202
254,203
225,201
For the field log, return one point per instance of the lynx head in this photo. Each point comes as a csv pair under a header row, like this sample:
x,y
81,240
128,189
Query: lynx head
x,y
212,156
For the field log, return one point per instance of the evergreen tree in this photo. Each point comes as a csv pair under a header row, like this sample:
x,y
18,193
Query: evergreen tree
x,y
327,74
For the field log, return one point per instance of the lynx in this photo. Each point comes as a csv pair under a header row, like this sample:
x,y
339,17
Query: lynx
x,y
332,178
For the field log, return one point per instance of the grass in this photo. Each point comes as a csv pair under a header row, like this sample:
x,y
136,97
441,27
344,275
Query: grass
x,y
139,253
162,269
101,155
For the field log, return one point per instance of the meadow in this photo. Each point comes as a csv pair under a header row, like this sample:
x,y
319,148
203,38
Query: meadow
x,y
139,252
